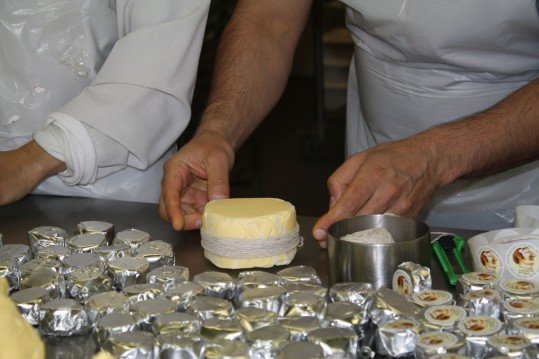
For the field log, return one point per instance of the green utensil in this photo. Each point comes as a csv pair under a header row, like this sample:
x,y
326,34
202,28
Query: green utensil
x,y
442,243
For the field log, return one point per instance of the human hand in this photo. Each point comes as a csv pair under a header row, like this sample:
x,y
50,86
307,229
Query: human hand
x,y
195,175
397,177
22,170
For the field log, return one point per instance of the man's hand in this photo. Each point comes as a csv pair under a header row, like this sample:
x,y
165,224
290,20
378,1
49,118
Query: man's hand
x,y
197,174
22,169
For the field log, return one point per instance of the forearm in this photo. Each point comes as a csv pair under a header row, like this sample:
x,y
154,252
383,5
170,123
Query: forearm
x,y
252,66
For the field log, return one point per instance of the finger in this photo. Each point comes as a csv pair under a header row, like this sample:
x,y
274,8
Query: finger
x,y
383,198
192,221
217,169
161,209
172,187
343,176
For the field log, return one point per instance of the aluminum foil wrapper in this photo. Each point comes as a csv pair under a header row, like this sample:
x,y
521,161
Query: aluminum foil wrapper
x,y
226,349
216,284
219,328
469,282
410,278
133,237
110,253
158,253
301,350
450,356
41,237
9,269
269,298
137,344
74,347
127,271
482,302
519,288
48,279
176,323
184,346
346,315
430,344
442,317
37,263
168,276
515,308
299,326
336,342
477,330
527,327
303,305
354,292
432,297
114,323
101,304
396,338
300,274
265,342
59,253
81,260
513,346
300,287
16,253
183,294
29,302
258,279
139,292
85,282
252,318
146,311
62,317
211,307
105,228
388,305
85,243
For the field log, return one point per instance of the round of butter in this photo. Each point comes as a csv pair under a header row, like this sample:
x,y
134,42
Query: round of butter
x,y
249,218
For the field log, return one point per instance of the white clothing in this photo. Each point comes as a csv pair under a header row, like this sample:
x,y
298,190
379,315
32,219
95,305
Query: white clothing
x,y
420,63
102,85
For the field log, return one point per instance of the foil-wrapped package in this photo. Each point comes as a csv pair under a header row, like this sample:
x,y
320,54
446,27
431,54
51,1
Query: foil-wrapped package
x,y
305,287
396,338
107,229
354,292
512,346
346,315
258,279
127,271
450,356
430,344
176,323
183,294
300,274
299,326
442,317
482,302
139,292
220,328
223,348
29,302
210,307
62,317
469,282
410,278
133,237
114,323
9,269
59,253
336,342
105,303
136,344
81,260
158,253
431,297
85,243
303,305
74,347
477,330
301,350
269,298
388,305
48,279
185,346
519,288
110,253
41,237
527,327
216,284
168,276
146,311
519,308
27,268
266,341
16,253
84,282
252,318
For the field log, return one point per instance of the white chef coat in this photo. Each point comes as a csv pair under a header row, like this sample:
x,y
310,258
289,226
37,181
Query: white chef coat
x,y
103,85
420,63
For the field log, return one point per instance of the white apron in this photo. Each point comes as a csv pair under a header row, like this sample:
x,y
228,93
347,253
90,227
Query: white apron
x,y
420,63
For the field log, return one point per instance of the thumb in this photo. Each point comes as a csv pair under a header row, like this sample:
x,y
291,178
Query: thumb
x,y
217,171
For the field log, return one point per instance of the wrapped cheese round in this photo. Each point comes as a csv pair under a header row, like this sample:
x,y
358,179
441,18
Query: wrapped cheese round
x,y
249,232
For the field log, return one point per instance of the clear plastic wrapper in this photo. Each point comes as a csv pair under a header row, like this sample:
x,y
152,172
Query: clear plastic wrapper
x,y
303,304
442,317
27,268
48,279
299,326
158,253
146,311
519,288
258,279
346,315
84,243
62,317
513,346
81,260
301,287
396,338
211,307
105,303
115,251
482,302
133,237
114,323
336,342
430,344
136,344
183,294
184,346
527,327
410,278
477,330
84,282
354,292
431,297
46,236
388,305
266,341
59,253
107,229
177,324
220,328
226,349
469,282
216,284
9,269
29,302
127,271
139,292
269,298
168,276
17,253
300,274
515,308
252,318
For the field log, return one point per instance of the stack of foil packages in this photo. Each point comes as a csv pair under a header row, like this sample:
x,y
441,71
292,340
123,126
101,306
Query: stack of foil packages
x,y
126,290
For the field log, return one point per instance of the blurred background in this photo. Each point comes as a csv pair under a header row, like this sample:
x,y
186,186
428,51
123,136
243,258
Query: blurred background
x,y
298,146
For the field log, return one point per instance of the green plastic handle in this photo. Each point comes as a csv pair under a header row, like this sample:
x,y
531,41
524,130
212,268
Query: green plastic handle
x,y
457,252
444,262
